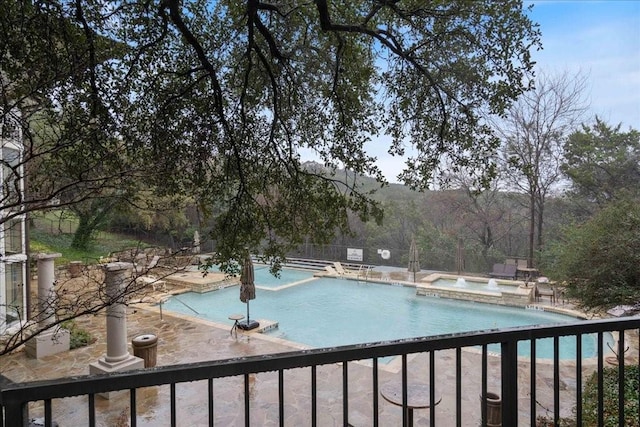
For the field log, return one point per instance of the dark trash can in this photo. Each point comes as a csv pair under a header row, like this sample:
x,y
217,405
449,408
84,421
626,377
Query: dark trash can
x,y
494,409
146,347
75,268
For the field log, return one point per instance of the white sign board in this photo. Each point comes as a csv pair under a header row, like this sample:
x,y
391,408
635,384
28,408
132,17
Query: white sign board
x,y
354,254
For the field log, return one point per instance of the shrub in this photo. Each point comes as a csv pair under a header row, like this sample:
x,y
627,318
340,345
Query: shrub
x,y
542,421
78,337
610,397
600,259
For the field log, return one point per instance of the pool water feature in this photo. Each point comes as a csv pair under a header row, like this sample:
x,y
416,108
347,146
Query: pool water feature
x,y
472,285
331,312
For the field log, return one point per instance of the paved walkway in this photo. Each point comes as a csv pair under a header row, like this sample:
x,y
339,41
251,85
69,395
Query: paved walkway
x,y
183,339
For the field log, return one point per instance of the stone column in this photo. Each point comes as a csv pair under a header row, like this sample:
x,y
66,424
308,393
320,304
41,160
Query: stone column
x,y
46,279
118,357
54,340
115,275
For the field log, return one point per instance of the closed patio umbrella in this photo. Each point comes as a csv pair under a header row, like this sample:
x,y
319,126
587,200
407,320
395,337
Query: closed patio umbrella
x,y
414,258
196,242
247,292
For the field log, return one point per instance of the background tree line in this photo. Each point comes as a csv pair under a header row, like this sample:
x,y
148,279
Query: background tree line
x,y
556,177
596,176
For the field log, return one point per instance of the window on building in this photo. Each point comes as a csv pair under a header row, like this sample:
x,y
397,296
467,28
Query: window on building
x,y
13,236
10,127
14,291
10,174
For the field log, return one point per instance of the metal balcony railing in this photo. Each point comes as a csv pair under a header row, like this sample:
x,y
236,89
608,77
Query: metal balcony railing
x,y
16,398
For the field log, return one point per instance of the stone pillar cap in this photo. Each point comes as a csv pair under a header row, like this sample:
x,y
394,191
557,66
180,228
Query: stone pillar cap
x,y
43,255
116,266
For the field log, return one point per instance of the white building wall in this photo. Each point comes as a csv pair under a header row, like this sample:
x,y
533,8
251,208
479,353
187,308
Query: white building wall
x,y
13,245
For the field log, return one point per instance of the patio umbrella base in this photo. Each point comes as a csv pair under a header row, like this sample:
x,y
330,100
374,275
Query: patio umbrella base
x,y
248,325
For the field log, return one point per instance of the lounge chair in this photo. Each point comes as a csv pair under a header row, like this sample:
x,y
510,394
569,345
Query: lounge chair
x,y
504,271
331,270
153,281
341,271
143,269
154,262
545,290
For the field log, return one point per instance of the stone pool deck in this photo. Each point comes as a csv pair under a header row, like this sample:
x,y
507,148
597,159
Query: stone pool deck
x,y
183,339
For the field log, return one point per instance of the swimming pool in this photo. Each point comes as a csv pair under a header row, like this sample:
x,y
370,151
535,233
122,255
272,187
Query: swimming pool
x,y
326,312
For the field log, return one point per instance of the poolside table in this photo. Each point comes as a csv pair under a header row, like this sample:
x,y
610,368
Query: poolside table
x,y
417,397
235,318
527,273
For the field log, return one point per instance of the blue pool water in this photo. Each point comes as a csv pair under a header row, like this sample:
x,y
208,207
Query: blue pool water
x,y
286,277
263,278
328,312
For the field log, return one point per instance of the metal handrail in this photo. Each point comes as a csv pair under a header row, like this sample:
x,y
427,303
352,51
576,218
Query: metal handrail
x,y
15,396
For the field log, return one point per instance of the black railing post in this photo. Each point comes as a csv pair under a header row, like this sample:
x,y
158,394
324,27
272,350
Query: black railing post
x,y
509,375
16,414
12,414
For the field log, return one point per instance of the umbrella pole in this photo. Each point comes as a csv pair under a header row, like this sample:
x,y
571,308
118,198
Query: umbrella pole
x,y
248,322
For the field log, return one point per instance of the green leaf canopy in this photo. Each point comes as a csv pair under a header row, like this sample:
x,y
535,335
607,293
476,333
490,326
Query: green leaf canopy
x,y
223,101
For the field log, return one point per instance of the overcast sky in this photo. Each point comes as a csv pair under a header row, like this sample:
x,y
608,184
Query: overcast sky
x,y
601,39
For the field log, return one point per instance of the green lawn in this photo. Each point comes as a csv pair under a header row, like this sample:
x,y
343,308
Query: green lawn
x,y
52,233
